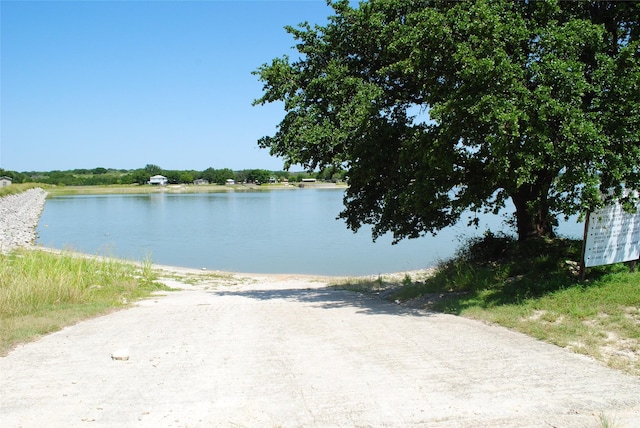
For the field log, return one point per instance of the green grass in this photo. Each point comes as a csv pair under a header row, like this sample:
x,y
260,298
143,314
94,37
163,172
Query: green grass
x,y
131,189
21,187
533,287
41,292
144,189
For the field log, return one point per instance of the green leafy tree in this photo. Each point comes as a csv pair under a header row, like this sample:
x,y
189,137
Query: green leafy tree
x,y
187,177
295,178
436,107
128,178
174,176
241,176
222,175
331,173
61,178
257,175
217,176
281,175
152,169
16,177
140,176
209,175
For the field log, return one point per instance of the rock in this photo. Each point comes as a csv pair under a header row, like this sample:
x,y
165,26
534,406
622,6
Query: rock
x,y
120,355
19,216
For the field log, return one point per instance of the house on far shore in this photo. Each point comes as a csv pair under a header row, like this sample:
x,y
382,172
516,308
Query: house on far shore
x,y
200,182
5,181
159,180
230,181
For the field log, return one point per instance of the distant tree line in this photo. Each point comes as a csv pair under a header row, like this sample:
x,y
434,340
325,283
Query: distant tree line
x,y
106,176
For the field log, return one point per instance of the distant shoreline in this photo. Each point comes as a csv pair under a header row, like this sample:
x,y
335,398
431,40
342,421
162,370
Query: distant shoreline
x,y
184,188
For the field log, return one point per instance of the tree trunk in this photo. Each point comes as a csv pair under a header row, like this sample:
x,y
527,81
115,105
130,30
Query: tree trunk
x,y
532,213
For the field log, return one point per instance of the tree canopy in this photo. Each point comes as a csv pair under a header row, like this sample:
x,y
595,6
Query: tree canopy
x,y
437,107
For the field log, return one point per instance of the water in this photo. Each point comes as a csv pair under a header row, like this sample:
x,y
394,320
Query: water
x,y
280,231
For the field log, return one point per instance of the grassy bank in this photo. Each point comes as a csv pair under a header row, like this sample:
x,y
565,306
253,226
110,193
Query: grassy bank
x,y
178,188
41,292
132,189
533,287
19,188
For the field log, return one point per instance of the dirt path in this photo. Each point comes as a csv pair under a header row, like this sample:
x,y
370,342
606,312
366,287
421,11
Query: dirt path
x,y
286,351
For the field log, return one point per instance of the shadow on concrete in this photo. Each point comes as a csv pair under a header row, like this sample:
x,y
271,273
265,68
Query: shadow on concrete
x,y
328,298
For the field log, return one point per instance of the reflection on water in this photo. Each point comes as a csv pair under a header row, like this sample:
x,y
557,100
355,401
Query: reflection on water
x,y
280,231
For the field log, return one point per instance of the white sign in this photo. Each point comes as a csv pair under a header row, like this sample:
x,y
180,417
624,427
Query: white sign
x,y
613,236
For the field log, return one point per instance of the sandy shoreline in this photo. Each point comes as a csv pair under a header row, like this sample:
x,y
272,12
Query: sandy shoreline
x,y
169,270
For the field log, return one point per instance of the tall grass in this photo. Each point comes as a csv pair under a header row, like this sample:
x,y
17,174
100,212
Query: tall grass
x,y
21,187
41,292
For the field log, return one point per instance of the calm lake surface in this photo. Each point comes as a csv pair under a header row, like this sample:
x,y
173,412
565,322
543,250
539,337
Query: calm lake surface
x,y
277,231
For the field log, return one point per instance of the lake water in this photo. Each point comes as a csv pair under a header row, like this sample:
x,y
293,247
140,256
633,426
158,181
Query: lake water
x,y
278,231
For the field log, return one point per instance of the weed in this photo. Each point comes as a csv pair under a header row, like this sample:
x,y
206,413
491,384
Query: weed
x,y
20,187
606,422
41,292
407,281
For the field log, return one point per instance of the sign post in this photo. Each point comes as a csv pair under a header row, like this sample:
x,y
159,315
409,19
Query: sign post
x,y
584,247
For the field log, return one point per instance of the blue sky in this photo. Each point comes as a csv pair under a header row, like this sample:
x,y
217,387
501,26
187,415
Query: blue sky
x,y
122,84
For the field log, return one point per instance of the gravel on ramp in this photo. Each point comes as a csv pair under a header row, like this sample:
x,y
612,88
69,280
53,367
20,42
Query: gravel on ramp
x,y
291,352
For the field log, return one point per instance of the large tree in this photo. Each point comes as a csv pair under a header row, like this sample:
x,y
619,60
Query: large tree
x,y
439,107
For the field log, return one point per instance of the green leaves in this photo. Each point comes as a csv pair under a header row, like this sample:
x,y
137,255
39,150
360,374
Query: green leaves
x,y
536,101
